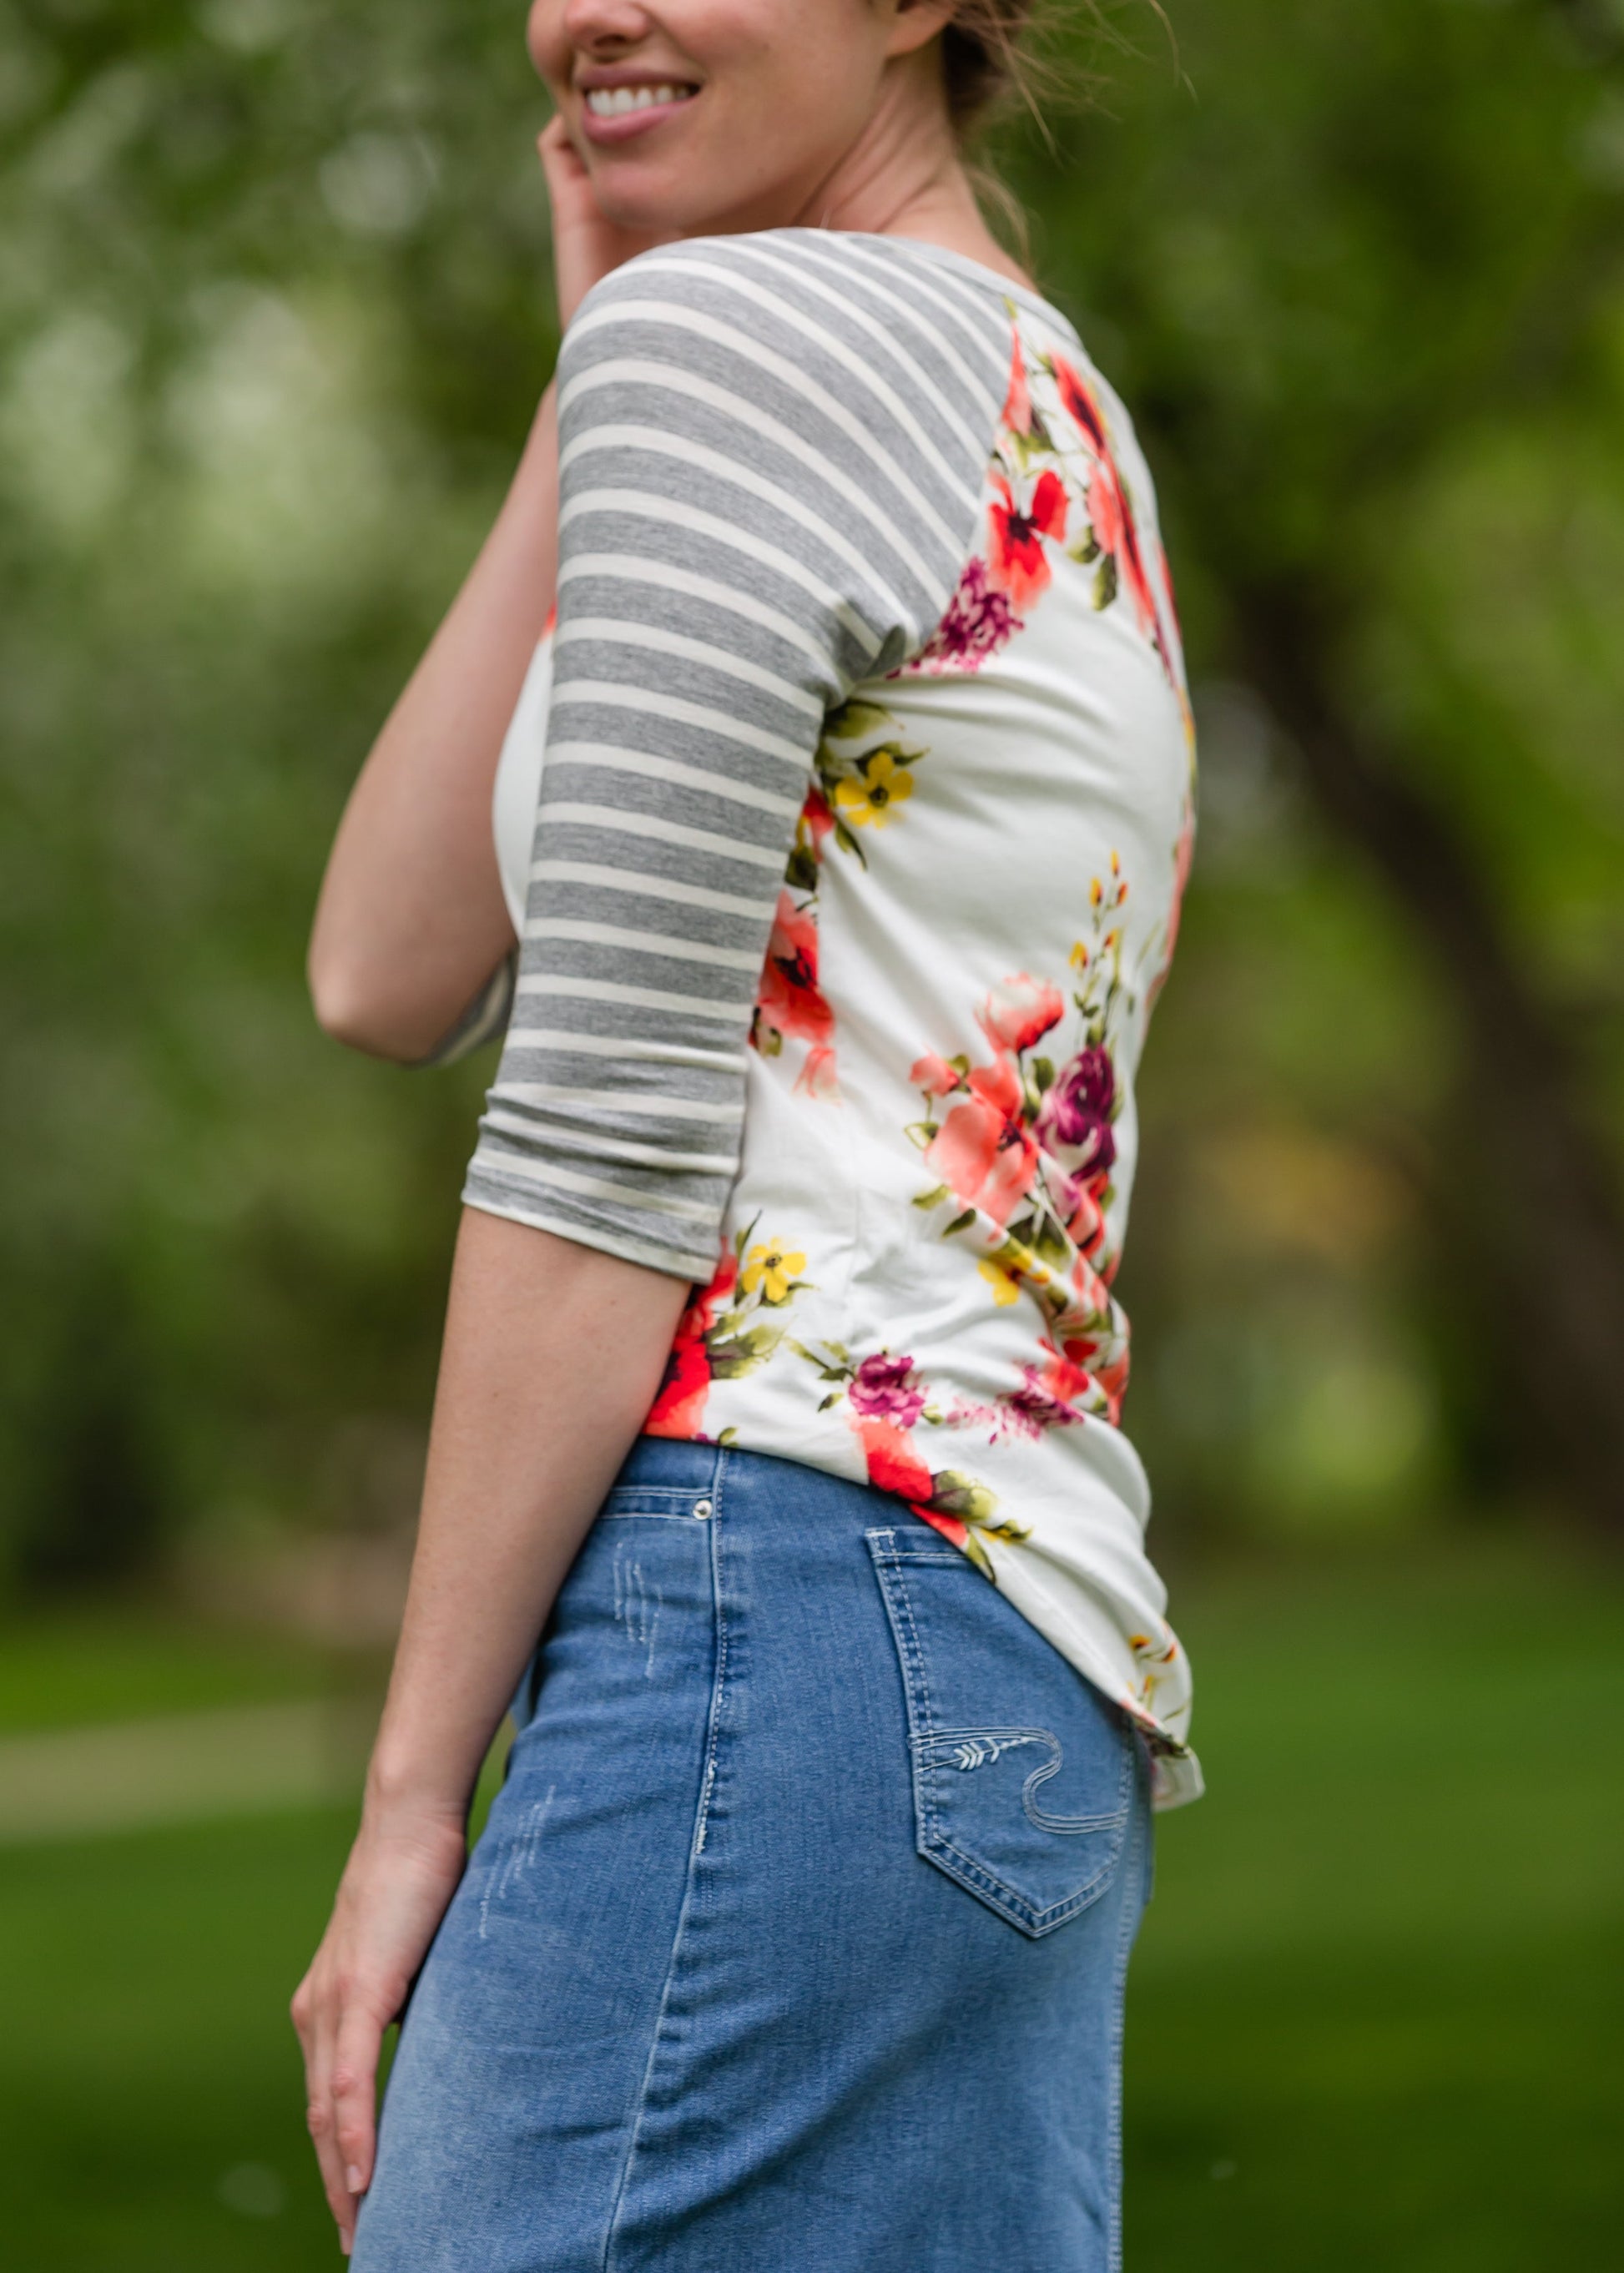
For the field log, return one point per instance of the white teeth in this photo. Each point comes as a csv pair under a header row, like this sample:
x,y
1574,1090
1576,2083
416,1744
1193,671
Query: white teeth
x,y
616,101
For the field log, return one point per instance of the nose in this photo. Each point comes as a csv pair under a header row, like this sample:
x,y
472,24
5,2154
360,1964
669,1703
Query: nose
x,y
595,25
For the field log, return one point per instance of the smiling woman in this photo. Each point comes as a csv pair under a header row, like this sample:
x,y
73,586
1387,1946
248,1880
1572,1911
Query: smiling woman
x,y
842,813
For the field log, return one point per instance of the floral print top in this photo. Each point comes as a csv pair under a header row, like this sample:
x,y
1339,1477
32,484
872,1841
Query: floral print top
x,y
975,901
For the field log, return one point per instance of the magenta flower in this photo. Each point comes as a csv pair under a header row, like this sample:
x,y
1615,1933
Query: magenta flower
x,y
1077,1109
884,1389
977,623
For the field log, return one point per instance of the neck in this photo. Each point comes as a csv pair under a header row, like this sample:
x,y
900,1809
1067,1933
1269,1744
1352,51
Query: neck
x,y
903,177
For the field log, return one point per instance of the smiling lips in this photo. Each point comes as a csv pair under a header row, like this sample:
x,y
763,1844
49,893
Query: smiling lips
x,y
614,112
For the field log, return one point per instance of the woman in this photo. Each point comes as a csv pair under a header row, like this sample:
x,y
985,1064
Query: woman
x,y
781,1321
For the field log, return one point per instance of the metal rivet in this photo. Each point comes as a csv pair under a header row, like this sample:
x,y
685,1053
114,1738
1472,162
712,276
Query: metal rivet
x,y
702,1509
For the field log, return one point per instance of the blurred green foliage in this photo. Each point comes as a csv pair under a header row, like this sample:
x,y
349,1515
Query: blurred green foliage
x,y
274,308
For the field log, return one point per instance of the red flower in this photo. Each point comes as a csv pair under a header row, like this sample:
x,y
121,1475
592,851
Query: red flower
x,y
1020,1011
949,1526
893,1464
983,1151
815,815
788,996
679,1407
1016,559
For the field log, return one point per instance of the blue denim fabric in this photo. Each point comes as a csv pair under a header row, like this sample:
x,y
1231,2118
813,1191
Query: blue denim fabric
x,y
796,1939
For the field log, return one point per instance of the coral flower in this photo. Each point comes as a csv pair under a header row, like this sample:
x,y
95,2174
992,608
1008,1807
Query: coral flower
x,y
893,1465
983,1150
818,1077
770,1269
933,1075
874,794
1078,396
1020,1011
1016,559
788,995
1018,401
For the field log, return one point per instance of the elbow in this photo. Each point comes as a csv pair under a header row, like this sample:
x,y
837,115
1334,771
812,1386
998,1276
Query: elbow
x,y
353,1009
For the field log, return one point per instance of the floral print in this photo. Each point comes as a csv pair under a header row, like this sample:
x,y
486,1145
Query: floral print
x,y
719,1337
864,779
886,1401
1055,471
916,1285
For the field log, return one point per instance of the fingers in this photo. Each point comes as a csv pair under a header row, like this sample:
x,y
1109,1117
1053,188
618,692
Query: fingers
x,y
332,2088
355,2096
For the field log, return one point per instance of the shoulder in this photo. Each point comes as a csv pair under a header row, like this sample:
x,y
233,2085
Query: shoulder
x,y
862,315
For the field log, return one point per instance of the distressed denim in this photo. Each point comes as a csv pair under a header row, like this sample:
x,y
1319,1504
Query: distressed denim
x,y
796,1941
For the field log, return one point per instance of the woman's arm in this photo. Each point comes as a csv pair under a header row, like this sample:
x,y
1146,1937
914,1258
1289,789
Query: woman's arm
x,y
411,921
552,1355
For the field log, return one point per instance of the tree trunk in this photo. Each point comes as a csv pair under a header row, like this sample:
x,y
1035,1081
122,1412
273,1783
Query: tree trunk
x,y
1551,1244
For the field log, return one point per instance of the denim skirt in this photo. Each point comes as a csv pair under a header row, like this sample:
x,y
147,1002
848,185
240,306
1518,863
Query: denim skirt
x,y
795,1942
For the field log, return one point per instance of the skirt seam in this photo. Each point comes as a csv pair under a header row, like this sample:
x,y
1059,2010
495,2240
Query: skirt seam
x,y
695,1848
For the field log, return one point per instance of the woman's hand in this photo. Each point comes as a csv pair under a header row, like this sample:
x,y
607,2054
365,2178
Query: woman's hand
x,y
400,1876
585,246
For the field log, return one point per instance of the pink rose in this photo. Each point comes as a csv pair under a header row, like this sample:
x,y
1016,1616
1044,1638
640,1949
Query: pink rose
x,y
1020,1011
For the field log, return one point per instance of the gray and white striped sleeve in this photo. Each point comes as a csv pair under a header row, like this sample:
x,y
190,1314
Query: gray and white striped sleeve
x,y
770,461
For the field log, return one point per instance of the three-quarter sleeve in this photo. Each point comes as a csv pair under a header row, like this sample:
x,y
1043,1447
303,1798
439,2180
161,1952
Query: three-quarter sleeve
x,y
765,497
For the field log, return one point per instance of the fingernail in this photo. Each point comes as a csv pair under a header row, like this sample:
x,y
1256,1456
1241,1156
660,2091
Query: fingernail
x,y
352,2178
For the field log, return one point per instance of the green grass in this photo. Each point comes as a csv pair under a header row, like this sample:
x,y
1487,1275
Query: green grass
x,y
1376,2015
72,1667
1380,1990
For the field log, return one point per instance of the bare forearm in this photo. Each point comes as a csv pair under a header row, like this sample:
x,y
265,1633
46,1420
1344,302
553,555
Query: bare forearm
x,y
553,1357
411,919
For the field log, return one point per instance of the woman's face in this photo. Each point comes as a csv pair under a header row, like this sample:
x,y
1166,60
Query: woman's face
x,y
695,115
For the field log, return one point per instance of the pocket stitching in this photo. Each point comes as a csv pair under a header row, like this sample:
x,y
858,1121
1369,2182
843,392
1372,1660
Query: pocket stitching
x,y
934,1843
1067,1826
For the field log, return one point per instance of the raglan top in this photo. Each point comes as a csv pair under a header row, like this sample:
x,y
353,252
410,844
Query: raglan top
x,y
844,818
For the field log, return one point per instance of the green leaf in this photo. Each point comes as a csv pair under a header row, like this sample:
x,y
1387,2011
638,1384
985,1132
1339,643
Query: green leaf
x,y
959,1223
1042,1073
1105,581
853,720
1051,1244
932,1199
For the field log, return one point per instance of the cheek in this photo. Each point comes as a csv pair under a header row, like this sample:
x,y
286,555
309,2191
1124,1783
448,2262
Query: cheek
x,y
547,43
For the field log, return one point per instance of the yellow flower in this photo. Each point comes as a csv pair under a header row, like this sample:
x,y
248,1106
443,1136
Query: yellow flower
x,y
874,794
771,1270
1005,1289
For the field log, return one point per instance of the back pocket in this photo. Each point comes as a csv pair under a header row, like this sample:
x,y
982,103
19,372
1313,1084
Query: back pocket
x,y
1023,1773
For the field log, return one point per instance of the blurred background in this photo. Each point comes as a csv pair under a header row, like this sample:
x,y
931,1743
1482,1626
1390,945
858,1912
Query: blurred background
x,y
274,311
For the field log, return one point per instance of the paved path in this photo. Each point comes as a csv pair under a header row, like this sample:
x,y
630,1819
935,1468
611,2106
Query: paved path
x,y
181,1768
